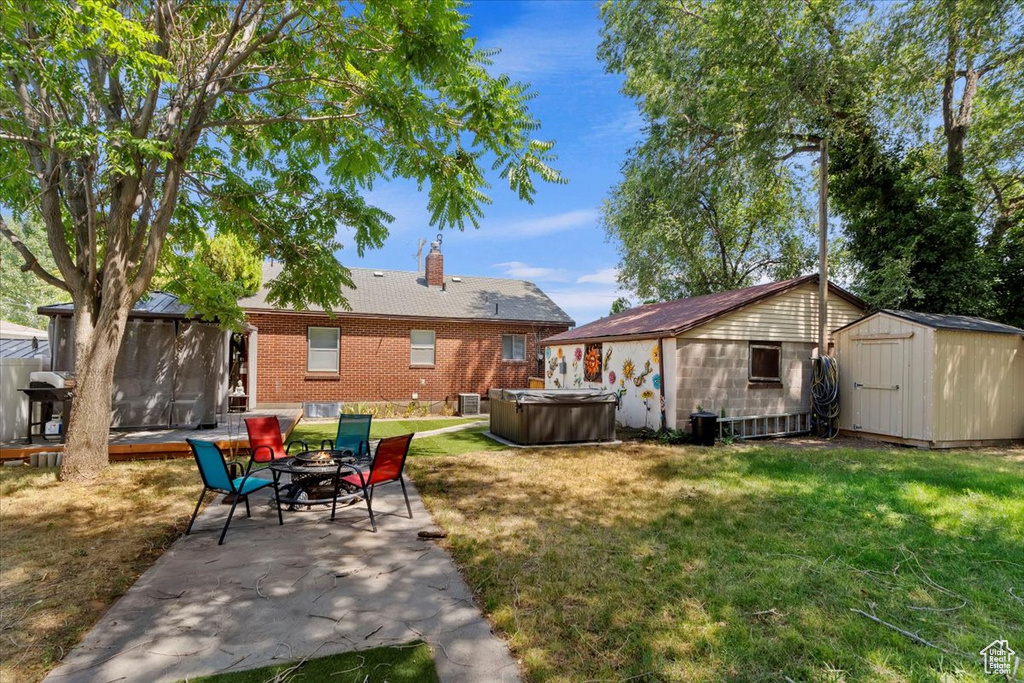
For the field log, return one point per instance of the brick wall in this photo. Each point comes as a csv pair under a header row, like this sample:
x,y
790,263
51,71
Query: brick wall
x,y
374,359
714,375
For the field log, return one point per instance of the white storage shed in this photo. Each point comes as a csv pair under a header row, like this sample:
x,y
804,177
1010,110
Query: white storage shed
x,y
936,381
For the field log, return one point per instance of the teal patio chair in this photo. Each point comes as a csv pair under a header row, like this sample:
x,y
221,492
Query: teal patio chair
x,y
353,435
213,468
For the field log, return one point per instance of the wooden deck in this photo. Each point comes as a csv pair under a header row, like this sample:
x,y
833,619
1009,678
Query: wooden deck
x,y
157,444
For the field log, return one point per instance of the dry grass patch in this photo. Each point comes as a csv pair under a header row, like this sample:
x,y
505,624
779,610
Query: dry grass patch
x,y
654,563
69,550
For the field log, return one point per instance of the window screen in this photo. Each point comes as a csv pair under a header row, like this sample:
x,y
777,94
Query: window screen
x,y
421,347
513,347
322,355
764,362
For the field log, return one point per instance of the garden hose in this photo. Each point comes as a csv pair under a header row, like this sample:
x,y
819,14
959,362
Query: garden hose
x,y
825,396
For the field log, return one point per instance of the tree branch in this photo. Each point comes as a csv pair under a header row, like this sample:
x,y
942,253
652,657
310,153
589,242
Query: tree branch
x,y
31,262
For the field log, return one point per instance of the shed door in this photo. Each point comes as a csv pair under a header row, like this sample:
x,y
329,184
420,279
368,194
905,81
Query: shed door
x,y
877,372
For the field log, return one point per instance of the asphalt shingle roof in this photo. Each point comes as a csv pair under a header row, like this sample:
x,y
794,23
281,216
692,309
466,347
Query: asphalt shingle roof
x,y
672,317
406,294
955,322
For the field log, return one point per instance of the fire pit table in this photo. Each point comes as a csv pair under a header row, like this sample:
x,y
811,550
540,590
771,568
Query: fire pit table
x,y
315,479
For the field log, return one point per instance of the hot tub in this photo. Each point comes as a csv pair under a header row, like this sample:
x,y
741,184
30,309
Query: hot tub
x,y
536,416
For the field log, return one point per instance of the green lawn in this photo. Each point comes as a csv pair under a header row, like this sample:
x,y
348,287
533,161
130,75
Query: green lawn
x,y
656,563
314,432
411,663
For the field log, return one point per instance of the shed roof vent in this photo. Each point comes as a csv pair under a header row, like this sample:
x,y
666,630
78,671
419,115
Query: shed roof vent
x,y
378,273
456,278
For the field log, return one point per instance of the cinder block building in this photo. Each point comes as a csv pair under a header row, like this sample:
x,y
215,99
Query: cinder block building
x,y
743,353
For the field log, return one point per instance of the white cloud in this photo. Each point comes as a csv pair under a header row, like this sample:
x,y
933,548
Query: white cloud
x,y
525,271
537,227
605,276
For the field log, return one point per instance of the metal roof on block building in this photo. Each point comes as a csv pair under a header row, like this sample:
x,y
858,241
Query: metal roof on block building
x,y
671,318
400,293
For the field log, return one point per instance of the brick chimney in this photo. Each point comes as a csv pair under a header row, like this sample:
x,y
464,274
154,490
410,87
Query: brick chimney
x,y
435,266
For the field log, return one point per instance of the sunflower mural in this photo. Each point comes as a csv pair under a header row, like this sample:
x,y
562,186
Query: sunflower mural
x,y
592,368
655,354
628,369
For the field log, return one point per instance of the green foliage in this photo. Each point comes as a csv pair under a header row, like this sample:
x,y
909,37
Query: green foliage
x,y
902,229
619,305
22,293
690,231
730,91
264,121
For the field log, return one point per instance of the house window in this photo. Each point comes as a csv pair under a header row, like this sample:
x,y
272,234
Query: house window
x,y
765,362
513,347
322,349
421,347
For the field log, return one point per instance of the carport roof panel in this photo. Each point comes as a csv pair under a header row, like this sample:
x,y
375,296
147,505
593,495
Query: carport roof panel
x,y
955,322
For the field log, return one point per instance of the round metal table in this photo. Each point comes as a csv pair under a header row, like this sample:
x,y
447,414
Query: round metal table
x,y
314,484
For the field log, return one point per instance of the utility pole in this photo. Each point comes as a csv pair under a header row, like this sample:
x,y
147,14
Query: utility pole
x,y
823,247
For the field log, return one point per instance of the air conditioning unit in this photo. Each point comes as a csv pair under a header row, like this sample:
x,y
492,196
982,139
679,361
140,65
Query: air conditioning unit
x,y
469,404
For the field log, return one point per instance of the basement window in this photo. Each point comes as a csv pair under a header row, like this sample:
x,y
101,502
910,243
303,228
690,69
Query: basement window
x,y
765,362
513,347
322,349
421,347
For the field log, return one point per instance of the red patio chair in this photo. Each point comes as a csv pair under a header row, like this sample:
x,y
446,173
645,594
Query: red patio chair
x,y
387,467
266,443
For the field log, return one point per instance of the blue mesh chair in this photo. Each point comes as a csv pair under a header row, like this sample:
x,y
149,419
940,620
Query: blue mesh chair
x,y
214,471
353,435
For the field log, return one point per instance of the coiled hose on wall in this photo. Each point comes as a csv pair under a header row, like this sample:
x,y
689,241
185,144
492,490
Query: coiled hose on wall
x,y
825,396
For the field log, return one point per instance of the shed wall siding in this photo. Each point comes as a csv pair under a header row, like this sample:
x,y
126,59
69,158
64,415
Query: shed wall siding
x,y
713,374
915,377
979,387
791,316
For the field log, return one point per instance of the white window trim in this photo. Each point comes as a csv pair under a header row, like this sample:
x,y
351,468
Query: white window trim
x,y
513,359
750,364
414,347
310,349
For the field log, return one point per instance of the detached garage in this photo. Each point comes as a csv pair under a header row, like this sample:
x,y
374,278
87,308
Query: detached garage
x,y
938,381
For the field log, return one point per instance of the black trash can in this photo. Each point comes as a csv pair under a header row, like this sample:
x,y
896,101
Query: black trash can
x,y
703,428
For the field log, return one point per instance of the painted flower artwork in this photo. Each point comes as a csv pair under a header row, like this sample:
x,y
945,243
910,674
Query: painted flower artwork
x,y
592,364
628,369
611,377
656,381
578,354
647,394
655,354
560,353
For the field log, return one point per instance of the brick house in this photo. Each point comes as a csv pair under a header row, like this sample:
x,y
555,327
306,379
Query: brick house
x,y
408,337
746,352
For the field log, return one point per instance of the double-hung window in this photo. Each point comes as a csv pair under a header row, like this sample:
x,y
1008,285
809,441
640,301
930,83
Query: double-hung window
x,y
513,347
421,347
322,349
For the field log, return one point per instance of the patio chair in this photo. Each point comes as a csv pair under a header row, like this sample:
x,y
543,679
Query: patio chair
x,y
266,443
213,468
353,434
387,467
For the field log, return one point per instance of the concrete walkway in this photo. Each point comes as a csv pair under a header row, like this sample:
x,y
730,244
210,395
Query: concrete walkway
x,y
306,589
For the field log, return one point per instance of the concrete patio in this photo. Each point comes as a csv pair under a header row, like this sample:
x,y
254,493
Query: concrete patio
x,y
283,593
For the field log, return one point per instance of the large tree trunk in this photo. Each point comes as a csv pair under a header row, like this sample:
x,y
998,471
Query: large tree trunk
x,y
97,342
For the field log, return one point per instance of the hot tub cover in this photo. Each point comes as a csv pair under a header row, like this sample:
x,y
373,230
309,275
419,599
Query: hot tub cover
x,y
554,395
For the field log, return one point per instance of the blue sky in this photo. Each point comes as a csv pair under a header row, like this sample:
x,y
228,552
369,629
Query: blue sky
x,y
557,242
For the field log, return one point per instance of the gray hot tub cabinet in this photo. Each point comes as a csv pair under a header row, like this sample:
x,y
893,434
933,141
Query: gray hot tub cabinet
x,y
533,416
